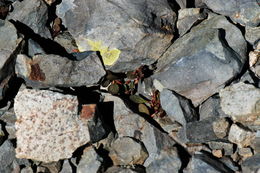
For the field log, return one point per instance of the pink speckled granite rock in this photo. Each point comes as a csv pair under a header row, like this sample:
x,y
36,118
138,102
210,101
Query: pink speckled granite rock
x,y
48,125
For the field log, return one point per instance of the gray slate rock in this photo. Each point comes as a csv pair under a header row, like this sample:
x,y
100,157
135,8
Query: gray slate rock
x,y
211,108
228,148
53,70
203,70
168,162
203,163
2,135
90,161
34,14
115,169
251,164
66,168
187,17
130,124
206,130
244,12
34,48
127,151
137,32
177,107
7,156
66,40
10,46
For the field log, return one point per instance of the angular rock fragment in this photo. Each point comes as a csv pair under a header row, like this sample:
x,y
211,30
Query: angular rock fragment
x,y
90,161
244,12
7,156
127,151
66,40
48,125
34,14
130,124
177,108
118,169
252,35
245,153
203,131
34,48
208,65
226,147
241,137
242,102
251,164
135,33
211,108
187,17
10,46
53,70
66,168
168,161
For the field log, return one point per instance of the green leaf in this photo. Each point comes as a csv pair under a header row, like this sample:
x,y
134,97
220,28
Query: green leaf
x,y
143,109
113,89
137,99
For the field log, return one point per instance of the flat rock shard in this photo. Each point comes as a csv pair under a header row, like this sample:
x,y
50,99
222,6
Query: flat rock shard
x,y
48,127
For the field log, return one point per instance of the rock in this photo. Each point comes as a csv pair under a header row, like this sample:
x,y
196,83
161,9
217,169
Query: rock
x,y
7,156
202,71
257,142
221,127
239,136
217,153
122,37
182,3
252,34
249,78
53,70
33,14
168,161
242,102
240,11
90,161
34,48
46,119
11,131
130,124
252,164
115,169
229,163
10,46
204,163
66,40
121,155
51,167
2,134
66,168
177,107
187,17
202,131
245,152
254,61
228,148
49,2
27,170
211,108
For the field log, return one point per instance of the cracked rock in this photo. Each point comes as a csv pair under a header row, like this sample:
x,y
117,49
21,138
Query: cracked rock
x,y
127,151
132,35
53,70
208,65
48,125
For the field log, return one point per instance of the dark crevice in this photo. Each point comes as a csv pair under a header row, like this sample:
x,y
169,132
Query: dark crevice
x,y
5,137
79,152
184,157
106,160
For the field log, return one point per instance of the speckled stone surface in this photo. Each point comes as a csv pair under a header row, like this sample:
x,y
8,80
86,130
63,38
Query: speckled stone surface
x,y
48,126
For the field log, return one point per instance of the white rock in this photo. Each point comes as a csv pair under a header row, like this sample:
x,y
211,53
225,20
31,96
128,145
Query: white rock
x,y
240,136
48,126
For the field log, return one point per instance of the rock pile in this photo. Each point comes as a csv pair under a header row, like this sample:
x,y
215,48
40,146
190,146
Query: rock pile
x,y
115,86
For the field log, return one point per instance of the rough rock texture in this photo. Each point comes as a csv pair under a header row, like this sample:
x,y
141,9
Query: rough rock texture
x,y
54,70
48,127
240,136
177,108
10,45
130,124
127,34
66,168
188,17
207,66
251,164
245,12
115,169
127,151
34,14
252,35
67,41
168,161
242,102
90,161
224,146
7,155
211,108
